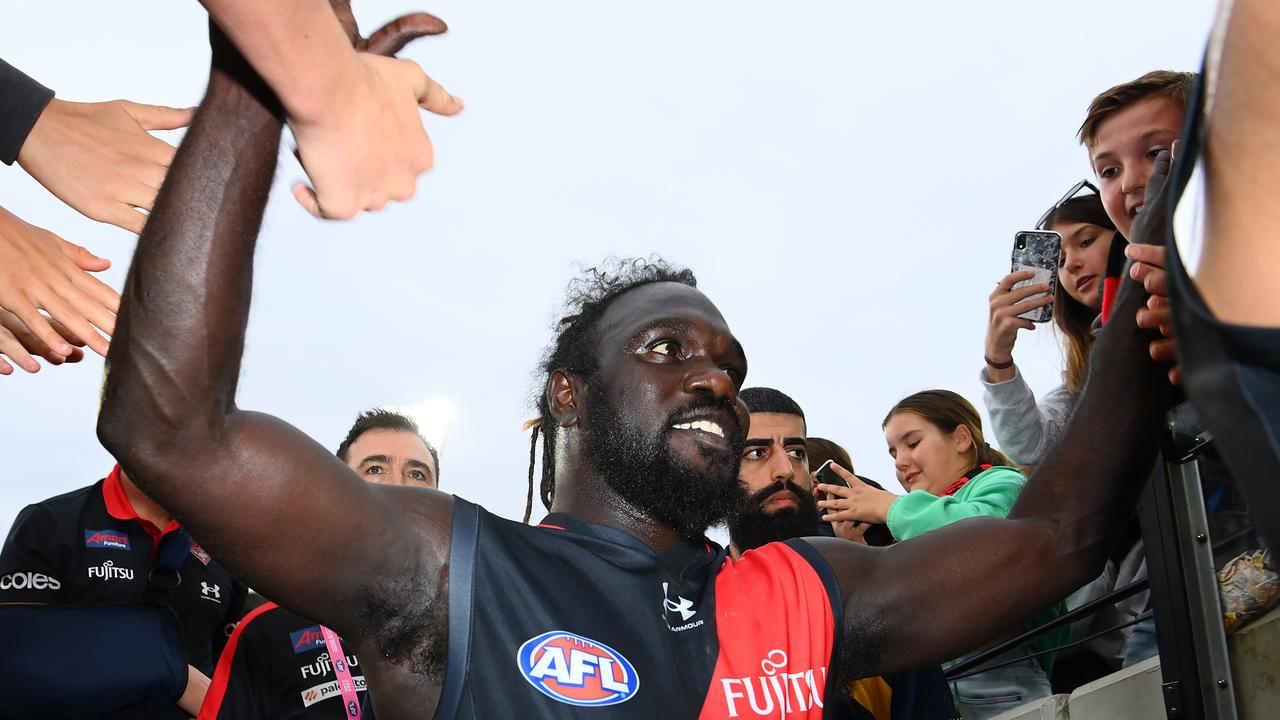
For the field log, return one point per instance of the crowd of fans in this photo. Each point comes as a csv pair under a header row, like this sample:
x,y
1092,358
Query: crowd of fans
x,y
110,549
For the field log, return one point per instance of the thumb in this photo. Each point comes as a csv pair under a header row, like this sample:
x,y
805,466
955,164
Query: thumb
x,y
433,97
81,256
307,198
160,117
392,37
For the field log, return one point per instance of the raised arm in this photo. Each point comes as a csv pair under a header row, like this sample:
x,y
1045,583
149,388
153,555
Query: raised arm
x,y
277,508
950,590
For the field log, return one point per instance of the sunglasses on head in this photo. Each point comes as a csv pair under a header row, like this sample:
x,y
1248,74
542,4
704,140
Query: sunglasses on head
x,y
1074,191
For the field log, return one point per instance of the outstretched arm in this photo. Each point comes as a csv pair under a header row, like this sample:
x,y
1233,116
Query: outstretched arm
x,y
947,591
277,508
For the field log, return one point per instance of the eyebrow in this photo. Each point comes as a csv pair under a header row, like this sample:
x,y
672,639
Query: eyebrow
x,y
765,442
418,464
907,434
663,324
1141,138
376,458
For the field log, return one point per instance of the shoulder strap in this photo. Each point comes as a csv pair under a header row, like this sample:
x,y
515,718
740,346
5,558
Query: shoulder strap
x,y
462,562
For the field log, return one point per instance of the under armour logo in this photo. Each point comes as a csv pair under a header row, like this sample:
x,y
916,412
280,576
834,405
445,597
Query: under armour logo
x,y
210,592
684,606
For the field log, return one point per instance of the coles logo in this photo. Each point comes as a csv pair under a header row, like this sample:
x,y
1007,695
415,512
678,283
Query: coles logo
x,y
577,670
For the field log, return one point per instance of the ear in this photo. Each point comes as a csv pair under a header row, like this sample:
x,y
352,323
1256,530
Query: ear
x,y
963,439
564,395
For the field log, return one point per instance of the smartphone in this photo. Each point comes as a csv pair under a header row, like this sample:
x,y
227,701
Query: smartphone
x,y
829,476
1038,251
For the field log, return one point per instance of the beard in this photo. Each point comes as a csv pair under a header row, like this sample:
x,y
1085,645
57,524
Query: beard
x,y
641,468
752,527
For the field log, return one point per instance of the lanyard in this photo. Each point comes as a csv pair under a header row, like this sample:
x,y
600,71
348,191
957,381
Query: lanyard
x,y
346,685
954,487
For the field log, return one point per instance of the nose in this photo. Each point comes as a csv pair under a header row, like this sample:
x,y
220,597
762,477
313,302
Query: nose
x,y
780,467
1071,260
1133,182
901,463
709,379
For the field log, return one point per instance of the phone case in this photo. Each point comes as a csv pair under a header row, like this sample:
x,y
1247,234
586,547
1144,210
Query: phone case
x,y
1038,251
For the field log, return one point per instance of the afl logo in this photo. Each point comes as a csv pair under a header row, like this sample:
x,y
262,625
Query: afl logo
x,y
577,670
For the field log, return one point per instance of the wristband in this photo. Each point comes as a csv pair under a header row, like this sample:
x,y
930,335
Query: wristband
x,y
998,366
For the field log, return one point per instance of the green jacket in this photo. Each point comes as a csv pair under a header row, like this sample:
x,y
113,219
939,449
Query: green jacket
x,y
990,493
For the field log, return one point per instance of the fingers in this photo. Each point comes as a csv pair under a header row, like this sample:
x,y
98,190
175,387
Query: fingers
x,y
1008,296
1006,284
1163,350
159,117
81,256
849,477
125,217
433,97
43,332
12,347
1154,255
71,312
836,493
392,37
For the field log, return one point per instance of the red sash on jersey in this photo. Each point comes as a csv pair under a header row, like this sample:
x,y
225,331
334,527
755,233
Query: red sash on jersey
x,y
776,631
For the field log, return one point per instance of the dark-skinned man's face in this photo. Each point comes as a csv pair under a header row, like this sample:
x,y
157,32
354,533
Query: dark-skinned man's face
x,y
664,426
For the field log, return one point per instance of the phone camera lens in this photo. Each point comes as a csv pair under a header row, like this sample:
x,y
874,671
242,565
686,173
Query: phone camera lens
x,y
1022,243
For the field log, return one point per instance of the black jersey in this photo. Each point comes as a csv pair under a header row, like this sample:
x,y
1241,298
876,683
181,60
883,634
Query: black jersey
x,y
574,620
89,547
276,667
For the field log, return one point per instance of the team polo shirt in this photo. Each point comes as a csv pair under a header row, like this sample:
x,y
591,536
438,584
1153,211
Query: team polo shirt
x,y
574,620
89,547
276,667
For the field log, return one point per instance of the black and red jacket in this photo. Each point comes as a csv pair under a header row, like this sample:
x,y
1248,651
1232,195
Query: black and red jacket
x,y
89,547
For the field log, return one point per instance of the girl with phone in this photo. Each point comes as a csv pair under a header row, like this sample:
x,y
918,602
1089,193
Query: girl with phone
x,y
950,473
1023,426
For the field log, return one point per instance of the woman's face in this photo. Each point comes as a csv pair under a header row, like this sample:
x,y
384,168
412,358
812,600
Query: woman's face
x,y
926,458
1084,261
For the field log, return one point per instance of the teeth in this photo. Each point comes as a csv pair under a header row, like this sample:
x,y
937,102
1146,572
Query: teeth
x,y
703,425
1137,210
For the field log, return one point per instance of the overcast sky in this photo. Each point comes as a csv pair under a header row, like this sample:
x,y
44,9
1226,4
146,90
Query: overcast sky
x,y
845,179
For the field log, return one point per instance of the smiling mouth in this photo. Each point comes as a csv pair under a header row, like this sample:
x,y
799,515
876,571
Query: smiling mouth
x,y
911,478
1134,212
706,426
1085,281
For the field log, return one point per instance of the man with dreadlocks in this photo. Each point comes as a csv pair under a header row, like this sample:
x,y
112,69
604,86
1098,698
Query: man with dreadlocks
x,y
616,599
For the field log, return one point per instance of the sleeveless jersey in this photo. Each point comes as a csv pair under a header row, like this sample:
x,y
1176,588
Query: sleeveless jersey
x,y
557,620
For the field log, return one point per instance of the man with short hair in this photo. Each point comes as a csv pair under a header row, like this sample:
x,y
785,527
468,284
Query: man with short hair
x,y
645,432
279,665
387,447
781,507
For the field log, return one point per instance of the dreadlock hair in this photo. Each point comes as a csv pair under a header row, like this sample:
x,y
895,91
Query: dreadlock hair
x,y
573,349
